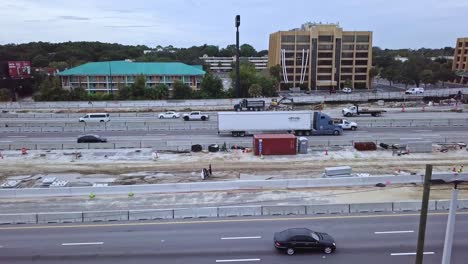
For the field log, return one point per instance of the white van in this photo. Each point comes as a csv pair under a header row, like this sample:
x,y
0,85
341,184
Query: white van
x,y
416,90
95,117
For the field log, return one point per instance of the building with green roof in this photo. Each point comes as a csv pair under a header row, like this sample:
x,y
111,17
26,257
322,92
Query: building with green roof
x,y
108,76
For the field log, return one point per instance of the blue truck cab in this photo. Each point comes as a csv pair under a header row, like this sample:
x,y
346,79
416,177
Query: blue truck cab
x,y
324,125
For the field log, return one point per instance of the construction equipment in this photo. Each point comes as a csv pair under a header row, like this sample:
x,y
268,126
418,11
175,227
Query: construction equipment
x,y
280,105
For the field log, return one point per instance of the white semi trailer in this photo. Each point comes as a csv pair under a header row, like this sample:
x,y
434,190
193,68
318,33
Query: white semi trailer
x,y
307,123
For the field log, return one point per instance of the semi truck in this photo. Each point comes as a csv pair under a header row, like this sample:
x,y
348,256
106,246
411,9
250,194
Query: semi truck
x,y
301,123
250,105
355,110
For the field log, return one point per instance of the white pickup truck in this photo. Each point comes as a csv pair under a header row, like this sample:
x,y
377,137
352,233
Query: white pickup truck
x,y
195,115
345,124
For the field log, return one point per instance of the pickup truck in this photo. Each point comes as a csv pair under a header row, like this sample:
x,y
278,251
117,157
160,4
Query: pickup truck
x,y
195,115
356,110
345,124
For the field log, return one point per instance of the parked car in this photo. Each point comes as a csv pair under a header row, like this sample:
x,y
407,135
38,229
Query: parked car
x,y
347,90
196,115
91,139
294,239
169,114
416,90
95,117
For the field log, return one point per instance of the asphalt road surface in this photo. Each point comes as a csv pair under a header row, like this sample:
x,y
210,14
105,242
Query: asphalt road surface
x,y
369,134
382,239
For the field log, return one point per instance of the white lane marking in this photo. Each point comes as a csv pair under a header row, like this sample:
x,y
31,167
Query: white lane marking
x,y
411,254
394,232
82,244
232,238
236,260
422,130
6,141
156,134
16,136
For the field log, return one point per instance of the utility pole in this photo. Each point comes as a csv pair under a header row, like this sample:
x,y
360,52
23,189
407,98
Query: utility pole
x,y
423,218
450,226
237,23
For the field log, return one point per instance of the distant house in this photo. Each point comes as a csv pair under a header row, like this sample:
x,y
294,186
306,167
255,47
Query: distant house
x,y
108,76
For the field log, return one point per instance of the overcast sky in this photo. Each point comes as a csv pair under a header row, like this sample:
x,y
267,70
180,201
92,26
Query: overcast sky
x,y
183,23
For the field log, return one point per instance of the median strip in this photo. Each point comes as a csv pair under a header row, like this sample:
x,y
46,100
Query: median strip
x,y
394,232
82,244
410,254
233,238
236,260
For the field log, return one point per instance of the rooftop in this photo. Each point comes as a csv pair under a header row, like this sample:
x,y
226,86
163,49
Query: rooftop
x,y
134,68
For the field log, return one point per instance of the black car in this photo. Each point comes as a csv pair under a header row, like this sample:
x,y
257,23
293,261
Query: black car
x,y
91,139
293,239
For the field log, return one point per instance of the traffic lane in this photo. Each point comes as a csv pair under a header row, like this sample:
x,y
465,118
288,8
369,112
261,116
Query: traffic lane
x,y
362,133
352,233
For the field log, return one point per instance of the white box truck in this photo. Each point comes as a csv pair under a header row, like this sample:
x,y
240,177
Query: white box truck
x,y
307,123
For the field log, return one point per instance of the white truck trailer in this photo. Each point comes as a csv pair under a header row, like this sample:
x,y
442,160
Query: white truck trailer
x,y
307,123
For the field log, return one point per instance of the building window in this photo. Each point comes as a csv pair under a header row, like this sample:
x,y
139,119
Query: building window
x,y
360,77
289,55
325,62
466,51
347,55
325,38
362,47
302,38
364,38
347,63
325,47
361,62
362,55
324,70
361,70
359,85
460,44
346,70
325,55
287,38
324,77
348,47
348,38
287,47
301,47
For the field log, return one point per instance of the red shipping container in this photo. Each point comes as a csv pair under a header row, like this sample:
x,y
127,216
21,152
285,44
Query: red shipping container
x,y
275,144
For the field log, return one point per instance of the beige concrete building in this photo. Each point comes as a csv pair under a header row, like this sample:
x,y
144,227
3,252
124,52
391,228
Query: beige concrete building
x,y
322,56
460,61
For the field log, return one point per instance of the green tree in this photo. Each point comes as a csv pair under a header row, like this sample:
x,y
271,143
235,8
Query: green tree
x,y
247,75
161,91
124,93
138,88
247,50
348,83
255,90
392,72
181,90
212,86
427,76
374,71
78,94
40,61
51,90
5,95
269,85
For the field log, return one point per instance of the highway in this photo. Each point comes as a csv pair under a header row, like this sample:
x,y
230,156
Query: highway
x,y
383,239
370,134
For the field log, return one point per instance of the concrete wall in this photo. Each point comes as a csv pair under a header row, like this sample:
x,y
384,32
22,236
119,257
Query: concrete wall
x,y
226,211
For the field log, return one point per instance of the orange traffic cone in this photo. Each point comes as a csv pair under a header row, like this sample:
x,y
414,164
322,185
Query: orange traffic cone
x,y
326,151
23,151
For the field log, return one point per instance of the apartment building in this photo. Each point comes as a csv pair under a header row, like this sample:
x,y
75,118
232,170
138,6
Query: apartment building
x,y
225,64
108,76
321,57
460,61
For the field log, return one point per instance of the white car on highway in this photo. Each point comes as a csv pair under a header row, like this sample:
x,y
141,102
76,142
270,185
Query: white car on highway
x,y
169,114
347,90
195,115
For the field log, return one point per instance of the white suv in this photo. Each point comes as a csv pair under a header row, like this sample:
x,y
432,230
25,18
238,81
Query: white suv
x,y
417,90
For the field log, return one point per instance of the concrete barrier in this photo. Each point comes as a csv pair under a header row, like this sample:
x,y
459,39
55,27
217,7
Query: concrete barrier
x,y
50,146
196,212
94,129
101,145
9,129
104,216
153,143
327,209
59,217
116,128
30,129
284,210
19,146
370,207
75,145
52,129
151,214
73,129
445,204
411,206
137,128
28,218
122,145
230,211
4,146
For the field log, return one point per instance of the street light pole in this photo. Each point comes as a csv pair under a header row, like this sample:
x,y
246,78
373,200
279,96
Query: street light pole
x,y
237,23
450,226
423,217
